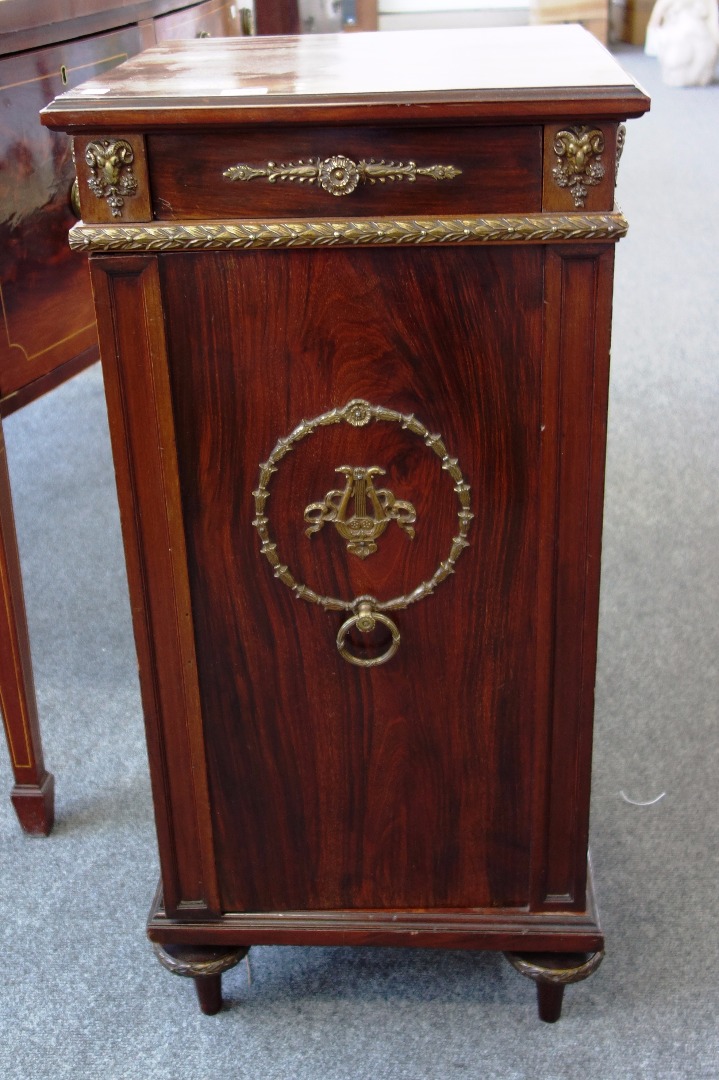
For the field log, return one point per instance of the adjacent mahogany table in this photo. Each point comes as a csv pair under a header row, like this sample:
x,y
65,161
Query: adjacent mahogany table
x,y
354,299
47,320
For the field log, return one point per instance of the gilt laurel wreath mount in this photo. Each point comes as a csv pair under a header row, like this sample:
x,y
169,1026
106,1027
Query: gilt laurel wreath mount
x,y
339,175
365,611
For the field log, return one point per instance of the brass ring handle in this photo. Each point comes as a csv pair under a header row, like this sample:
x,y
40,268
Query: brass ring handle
x,y
365,620
366,610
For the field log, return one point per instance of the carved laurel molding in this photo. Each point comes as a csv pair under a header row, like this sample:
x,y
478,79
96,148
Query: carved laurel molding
x,y
357,413
500,229
575,970
216,962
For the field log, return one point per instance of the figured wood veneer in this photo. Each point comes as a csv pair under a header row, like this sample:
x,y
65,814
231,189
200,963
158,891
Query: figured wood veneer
x,y
439,799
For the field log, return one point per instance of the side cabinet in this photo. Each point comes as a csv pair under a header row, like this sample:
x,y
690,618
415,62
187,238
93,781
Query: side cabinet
x,y
356,361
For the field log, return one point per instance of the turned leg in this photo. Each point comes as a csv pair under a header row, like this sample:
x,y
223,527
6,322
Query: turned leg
x,y
552,972
549,1001
33,793
203,963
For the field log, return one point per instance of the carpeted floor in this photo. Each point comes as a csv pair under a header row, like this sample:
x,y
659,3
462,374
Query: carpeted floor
x,y
82,996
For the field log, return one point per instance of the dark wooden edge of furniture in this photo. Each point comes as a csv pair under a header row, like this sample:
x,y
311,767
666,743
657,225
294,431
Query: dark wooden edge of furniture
x,y
457,108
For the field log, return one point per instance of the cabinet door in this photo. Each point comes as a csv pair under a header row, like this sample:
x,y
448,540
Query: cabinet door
x,y
407,784
46,310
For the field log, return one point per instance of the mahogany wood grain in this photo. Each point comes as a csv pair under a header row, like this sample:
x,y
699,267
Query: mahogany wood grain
x,y
33,793
277,17
47,319
497,929
440,799
579,283
213,18
31,24
47,313
133,351
501,172
343,804
454,77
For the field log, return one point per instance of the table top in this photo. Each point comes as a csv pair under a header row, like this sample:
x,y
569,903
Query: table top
x,y
400,76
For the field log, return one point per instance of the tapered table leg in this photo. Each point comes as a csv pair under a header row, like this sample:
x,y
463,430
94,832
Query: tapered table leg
x,y
33,793
203,963
552,972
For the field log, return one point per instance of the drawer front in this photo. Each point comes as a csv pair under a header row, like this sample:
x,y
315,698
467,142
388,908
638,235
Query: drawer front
x,y
215,18
316,172
46,312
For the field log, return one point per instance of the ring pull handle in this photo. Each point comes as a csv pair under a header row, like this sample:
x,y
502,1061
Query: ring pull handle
x,y
373,509
365,619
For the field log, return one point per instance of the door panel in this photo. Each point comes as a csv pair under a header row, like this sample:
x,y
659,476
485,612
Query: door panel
x,y
408,784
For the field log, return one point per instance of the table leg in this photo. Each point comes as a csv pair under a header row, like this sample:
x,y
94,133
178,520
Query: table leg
x,y
33,793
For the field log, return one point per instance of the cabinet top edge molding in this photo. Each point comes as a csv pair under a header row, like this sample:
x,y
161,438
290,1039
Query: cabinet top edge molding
x,y
357,76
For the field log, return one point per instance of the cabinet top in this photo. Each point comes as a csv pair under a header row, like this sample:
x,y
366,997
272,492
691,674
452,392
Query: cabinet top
x,y
414,75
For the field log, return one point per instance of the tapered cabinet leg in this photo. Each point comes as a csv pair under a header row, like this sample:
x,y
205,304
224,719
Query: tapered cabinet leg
x,y
209,993
34,791
552,972
203,963
549,1001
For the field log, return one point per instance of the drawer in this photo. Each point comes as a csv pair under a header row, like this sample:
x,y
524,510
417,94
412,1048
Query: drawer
x,y
214,18
46,313
364,171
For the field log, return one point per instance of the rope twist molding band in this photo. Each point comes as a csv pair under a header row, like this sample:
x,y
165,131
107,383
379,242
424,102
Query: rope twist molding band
x,y
366,611
212,236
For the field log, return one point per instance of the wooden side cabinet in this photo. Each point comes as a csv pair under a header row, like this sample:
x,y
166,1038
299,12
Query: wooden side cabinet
x,y
354,308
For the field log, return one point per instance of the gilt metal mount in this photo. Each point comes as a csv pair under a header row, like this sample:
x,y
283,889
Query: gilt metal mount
x,y
374,508
339,175
579,165
365,611
110,162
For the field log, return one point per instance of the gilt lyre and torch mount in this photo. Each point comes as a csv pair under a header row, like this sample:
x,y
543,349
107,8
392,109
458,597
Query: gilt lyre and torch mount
x,y
373,510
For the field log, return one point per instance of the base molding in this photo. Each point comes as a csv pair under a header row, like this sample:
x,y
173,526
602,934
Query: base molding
x,y
497,929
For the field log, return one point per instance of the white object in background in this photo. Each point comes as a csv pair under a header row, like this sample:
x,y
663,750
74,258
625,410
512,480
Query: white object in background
x,y
684,36
321,16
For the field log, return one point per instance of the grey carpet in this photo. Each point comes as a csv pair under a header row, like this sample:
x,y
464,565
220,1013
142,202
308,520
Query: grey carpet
x,y
82,996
